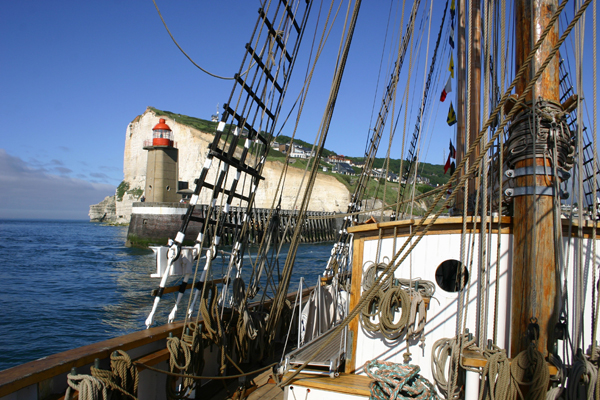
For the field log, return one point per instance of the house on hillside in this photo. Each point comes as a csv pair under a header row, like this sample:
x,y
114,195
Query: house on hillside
x,y
333,159
392,177
343,168
298,151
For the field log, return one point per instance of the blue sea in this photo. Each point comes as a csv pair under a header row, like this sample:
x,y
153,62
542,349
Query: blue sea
x,y
66,284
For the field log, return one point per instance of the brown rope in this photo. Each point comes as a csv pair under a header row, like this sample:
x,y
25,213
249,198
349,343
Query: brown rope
x,y
196,377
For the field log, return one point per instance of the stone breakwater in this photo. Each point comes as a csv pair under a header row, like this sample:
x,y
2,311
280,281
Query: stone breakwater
x,y
329,195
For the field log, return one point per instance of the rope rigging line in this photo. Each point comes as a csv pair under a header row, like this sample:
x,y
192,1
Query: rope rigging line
x,y
184,53
427,86
500,174
387,29
356,200
263,93
421,228
288,267
281,183
196,377
596,306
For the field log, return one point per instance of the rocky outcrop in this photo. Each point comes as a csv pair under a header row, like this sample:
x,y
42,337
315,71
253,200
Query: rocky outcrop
x,y
105,211
328,194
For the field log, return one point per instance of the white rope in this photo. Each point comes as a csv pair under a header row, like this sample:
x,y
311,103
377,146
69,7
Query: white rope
x,y
89,387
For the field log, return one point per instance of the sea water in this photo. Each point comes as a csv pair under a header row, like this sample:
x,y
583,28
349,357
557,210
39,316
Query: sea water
x,y
66,284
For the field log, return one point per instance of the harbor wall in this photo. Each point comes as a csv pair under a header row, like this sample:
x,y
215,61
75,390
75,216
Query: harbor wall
x,y
154,223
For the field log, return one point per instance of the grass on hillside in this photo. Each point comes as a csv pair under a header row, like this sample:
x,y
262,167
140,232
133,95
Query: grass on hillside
x,y
374,189
201,124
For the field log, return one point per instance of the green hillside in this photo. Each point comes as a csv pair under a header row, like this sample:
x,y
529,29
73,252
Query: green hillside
x,y
435,173
201,124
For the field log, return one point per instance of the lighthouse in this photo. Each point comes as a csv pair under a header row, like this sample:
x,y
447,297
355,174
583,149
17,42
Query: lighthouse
x,y
161,171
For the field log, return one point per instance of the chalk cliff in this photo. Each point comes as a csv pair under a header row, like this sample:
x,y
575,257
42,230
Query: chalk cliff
x,y
328,194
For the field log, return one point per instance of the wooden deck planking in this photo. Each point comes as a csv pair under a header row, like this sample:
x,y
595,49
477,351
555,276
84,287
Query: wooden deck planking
x,y
345,383
265,389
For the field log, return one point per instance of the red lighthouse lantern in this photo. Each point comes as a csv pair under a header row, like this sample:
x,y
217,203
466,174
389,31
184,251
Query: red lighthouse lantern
x,y
162,134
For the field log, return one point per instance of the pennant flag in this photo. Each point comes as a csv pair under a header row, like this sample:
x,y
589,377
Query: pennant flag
x,y
450,161
447,165
451,66
452,151
451,120
447,89
451,38
452,9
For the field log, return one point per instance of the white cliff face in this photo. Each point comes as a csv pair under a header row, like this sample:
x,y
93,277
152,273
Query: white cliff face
x,y
328,194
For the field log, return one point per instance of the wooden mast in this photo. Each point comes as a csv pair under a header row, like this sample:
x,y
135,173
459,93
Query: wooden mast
x,y
461,89
475,89
461,78
534,274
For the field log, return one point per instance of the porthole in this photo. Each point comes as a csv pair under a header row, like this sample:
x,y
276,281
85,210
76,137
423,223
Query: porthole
x,y
447,276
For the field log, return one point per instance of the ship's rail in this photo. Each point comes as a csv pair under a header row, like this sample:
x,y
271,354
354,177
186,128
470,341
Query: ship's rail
x,y
47,377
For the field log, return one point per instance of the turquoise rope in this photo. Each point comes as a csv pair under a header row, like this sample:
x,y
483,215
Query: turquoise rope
x,y
398,381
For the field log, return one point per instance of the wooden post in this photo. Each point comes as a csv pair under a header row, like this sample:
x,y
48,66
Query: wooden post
x,y
534,274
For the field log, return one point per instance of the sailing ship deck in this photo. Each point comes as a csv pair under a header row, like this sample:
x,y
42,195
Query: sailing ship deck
x,y
267,389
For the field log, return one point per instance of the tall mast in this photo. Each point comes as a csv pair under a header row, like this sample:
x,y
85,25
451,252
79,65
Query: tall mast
x,y
534,274
473,87
461,78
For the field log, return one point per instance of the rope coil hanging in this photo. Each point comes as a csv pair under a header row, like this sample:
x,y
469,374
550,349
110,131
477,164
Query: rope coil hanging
x,y
402,294
187,355
88,387
120,382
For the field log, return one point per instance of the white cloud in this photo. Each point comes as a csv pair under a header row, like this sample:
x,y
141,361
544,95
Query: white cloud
x,y
28,192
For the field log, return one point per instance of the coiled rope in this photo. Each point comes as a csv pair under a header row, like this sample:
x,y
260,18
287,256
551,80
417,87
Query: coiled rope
x,y
393,298
496,377
442,351
582,372
187,355
547,117
380,314
529,368
180,358
89,388
120,382
398,381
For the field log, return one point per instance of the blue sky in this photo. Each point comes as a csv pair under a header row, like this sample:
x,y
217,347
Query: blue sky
x,y
74,73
